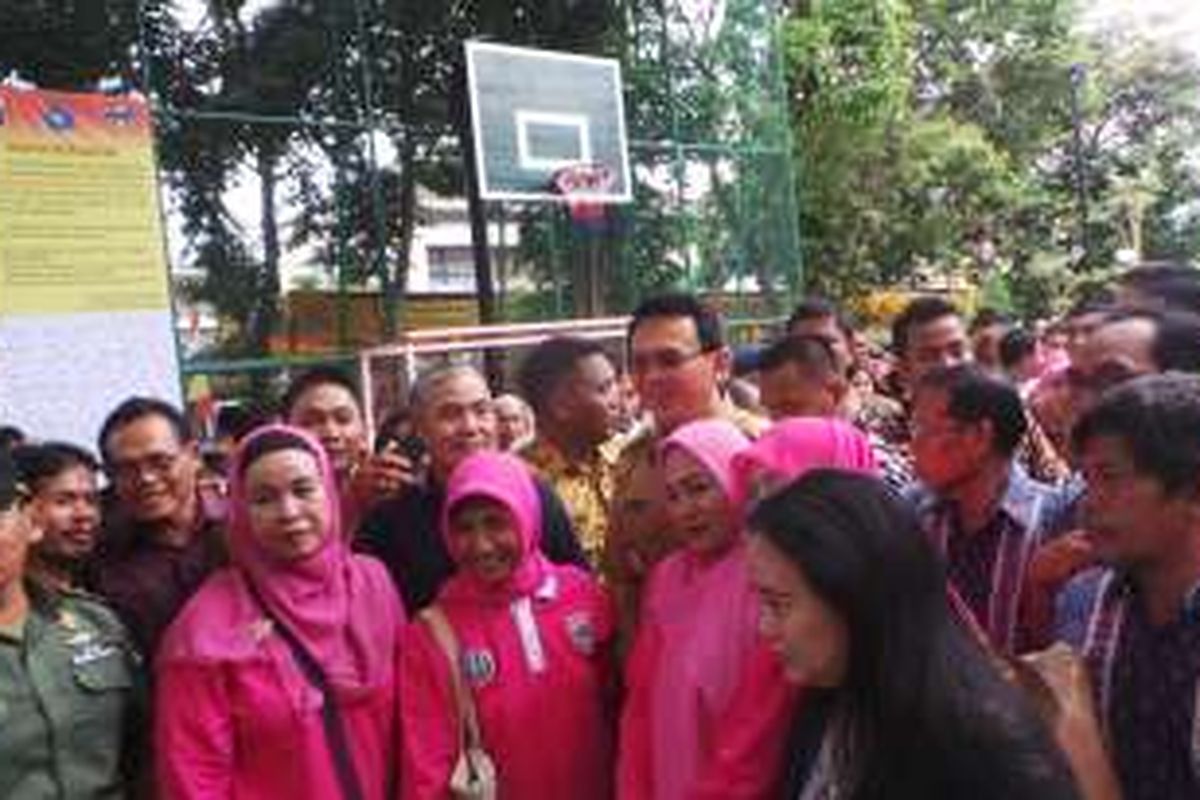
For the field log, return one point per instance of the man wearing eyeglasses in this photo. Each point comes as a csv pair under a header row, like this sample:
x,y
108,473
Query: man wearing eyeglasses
x,y
157,545
1123,345
680,366
976,504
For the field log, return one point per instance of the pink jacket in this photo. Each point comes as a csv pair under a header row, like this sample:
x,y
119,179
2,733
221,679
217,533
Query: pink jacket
x,y
232,729
546,725
694,643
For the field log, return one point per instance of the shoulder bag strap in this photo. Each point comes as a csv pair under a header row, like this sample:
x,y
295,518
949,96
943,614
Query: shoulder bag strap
x,y
331,717
468,719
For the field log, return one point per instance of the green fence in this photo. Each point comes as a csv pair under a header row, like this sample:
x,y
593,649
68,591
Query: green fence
x,y
300,137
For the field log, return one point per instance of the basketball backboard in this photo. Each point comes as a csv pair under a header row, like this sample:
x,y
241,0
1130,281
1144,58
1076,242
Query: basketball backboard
x,y
536,112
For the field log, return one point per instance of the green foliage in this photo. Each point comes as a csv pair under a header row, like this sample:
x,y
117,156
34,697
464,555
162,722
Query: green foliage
x,y
934,139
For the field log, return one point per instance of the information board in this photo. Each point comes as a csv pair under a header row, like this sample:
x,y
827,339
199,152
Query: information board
x,y
85,311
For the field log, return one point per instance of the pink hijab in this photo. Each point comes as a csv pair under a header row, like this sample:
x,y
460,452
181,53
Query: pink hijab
x,y
715,443
505,479
791,447
700,623
342,607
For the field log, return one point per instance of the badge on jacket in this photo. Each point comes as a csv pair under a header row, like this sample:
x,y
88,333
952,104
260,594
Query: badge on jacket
x,y
582,632
479,667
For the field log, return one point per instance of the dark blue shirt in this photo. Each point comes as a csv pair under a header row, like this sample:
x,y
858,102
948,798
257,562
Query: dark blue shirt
x,y
405,534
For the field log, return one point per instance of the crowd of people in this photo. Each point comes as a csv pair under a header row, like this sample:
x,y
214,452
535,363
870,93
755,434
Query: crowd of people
x,y
964,565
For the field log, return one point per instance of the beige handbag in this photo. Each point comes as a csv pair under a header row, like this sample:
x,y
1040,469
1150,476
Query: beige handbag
x,y
474,775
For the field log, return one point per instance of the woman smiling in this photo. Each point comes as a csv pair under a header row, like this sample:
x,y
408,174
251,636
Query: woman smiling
x,y
278,678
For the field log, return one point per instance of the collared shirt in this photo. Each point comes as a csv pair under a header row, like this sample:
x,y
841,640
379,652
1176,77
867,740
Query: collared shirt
x,y
1147,682
405,533
987,567
147,581
69,697
585,487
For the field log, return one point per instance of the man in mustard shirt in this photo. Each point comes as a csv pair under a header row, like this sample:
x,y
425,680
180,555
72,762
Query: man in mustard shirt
x,y
572,387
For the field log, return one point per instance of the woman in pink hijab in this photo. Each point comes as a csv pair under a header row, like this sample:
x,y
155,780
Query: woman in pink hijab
x,y
295,622
534,645
749,750
698,620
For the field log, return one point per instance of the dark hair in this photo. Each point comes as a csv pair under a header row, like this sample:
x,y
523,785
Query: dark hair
x,y
919,311
1169,285
11,488
810,353
272,442
709,329
1097,300
1176,345
987,317
1158,417
820,308
1015,346
317,376
38,463
136,408
549,364
235,421
11,436
974,395
923,710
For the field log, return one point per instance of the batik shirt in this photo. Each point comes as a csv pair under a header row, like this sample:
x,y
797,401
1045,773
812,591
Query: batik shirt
x,y
1147,681
987,567
585,487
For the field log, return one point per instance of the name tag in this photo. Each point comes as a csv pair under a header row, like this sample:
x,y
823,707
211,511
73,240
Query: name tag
x,y
92,652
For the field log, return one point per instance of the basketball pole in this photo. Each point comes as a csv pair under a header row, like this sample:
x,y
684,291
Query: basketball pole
x,y
485,288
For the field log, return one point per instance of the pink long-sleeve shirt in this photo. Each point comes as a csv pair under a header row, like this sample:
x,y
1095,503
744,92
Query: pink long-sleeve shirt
x,y
206,711
693,649
546,722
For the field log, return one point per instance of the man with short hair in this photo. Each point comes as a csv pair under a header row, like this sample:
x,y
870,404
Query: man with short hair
x,y
157,546
1127,344
325,402
799,377
976,504
1137,622
987,330
573,389
452,408
64,503
929,333
69,679
515,422
816,316
680,364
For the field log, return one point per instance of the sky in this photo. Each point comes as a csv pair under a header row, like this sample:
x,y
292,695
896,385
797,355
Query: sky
x,y
1161,20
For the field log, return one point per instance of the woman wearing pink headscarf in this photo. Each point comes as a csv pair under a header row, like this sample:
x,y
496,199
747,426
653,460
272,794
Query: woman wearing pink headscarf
x,y
698,620
534,645
245,672
749,752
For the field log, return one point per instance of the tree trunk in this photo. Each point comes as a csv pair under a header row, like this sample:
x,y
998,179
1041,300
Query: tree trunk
x,y
267,314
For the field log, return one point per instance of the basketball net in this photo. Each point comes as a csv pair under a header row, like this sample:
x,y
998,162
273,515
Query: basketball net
x,y
577,183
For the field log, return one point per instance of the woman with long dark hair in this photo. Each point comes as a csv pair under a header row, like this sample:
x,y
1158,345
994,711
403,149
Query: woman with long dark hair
x,y
904,703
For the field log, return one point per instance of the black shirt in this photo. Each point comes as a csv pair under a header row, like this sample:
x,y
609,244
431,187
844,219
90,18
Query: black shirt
x,y
405,534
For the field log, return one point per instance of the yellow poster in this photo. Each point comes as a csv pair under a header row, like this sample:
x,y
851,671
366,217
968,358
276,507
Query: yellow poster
x,y
80,229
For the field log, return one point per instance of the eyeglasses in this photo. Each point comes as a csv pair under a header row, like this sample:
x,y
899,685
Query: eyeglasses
x,y
663,360
157,464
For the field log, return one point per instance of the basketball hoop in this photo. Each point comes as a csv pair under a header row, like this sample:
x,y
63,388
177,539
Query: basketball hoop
x,y
577,183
